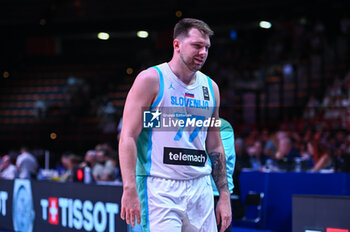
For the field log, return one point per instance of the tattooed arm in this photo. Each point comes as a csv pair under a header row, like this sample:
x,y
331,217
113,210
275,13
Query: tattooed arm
x,y
219,171
218,160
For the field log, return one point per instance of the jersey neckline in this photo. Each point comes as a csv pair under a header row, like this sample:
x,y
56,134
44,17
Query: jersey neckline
x,y
175,78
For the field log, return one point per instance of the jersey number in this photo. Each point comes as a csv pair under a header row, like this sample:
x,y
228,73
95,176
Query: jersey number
x,y
196,130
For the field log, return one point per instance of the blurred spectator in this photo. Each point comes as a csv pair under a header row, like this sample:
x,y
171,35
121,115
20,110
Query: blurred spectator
x,y
257,157
270,147
91,161
71,163
7,169
242,157
27,164
346,156
63,166
108,173
286,150
286,154
320,154
305,154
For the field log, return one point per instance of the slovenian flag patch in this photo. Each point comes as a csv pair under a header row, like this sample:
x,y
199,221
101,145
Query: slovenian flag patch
x,y
191,95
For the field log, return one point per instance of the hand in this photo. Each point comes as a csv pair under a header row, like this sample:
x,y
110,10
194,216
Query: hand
x,y
223,212
131,207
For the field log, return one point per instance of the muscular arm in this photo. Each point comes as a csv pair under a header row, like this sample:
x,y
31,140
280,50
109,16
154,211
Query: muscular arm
x,y
216,150
142,94
219,171
217,157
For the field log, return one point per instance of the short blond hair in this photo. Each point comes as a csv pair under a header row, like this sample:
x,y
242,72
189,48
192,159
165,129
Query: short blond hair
x,y
184,25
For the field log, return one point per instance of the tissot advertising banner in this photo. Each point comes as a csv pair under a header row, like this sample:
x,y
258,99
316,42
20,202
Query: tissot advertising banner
x,y
6,190
29,206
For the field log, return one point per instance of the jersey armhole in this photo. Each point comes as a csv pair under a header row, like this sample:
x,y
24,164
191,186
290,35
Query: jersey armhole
x,y
161,88
212,93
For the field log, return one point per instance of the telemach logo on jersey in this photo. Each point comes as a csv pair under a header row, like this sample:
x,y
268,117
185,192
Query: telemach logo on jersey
x,y
183,156
176,120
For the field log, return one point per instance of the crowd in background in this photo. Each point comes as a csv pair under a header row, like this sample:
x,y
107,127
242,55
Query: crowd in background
x,y
289,149
302,145
316,140
100,164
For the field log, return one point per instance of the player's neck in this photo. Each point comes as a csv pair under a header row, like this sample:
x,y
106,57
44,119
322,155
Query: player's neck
x,y
182,72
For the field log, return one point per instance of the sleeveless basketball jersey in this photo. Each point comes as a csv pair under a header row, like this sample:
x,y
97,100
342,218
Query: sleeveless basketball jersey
x,y
175,149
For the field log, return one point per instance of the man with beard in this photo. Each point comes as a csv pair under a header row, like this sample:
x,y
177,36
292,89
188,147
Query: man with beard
x,y
165,171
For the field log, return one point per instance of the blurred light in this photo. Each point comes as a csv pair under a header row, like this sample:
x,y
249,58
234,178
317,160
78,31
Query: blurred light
x,y
265,24
80,174
178,13
6,74
303,20
142,34
336,230
103,36
233,34
53,136
77,3
288,70
42,22
129,71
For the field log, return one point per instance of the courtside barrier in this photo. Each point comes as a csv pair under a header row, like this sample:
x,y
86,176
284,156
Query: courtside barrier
x,y
30,205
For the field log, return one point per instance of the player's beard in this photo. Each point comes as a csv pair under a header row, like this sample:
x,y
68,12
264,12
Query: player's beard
x,y
191,65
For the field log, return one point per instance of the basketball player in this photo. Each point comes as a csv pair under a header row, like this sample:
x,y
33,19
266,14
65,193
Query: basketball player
x,y
166,173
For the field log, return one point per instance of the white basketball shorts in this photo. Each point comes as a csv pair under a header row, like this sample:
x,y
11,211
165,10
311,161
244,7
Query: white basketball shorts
x,y
176,205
